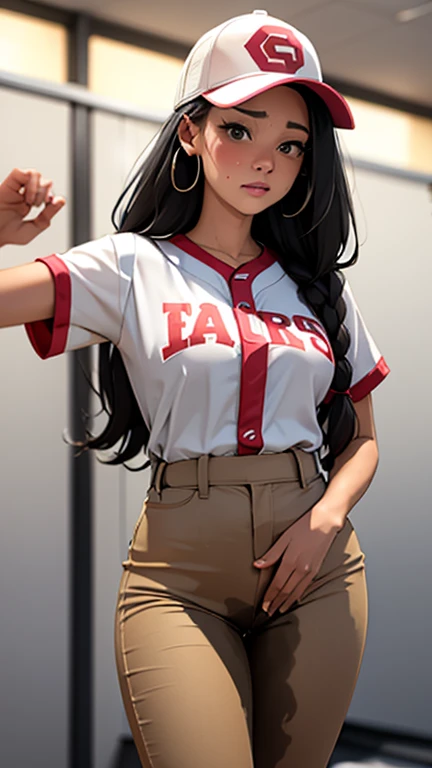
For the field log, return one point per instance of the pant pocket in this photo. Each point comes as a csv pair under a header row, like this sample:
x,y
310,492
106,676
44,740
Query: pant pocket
x,y
170,529
170,498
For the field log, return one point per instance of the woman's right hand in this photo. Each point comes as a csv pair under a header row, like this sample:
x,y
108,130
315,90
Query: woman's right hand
x,y
19,193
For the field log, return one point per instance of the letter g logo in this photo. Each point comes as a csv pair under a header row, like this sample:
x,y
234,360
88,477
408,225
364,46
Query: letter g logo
x,y
275,49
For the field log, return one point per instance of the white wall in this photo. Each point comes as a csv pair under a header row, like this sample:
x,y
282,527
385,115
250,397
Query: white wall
x,y
34,528
391,282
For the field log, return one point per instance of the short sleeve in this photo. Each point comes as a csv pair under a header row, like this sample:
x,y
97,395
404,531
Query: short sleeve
x,y
92,283
368,364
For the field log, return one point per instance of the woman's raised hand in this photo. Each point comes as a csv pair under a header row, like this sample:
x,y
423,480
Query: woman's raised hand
x,y
19,192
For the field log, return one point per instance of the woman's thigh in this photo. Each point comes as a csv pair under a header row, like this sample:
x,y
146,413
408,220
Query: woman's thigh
x,y
185,681
305,663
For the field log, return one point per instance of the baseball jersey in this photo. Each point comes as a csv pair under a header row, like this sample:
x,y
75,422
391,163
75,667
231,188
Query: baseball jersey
x,y
222,360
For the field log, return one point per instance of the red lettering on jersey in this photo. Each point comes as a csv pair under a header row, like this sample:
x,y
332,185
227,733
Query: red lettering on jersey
x,y
209,321
175,325
318,337
277,326
245,323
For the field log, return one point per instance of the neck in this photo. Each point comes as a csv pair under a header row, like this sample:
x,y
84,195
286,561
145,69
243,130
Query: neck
x,y
221,227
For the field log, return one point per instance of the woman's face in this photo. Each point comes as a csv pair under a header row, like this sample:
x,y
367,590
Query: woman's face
x,y
252,153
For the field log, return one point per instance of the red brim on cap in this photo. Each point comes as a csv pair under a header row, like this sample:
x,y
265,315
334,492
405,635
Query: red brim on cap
x,y
238,91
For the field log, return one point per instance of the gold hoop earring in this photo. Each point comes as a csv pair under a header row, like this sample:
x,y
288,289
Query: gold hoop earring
x,y
292,215
173,167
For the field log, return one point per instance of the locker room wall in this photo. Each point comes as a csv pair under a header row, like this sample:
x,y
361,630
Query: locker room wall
x,y
119,494
34,567
391,283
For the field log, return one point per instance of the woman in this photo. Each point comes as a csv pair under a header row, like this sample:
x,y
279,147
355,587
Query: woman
x,y
232,350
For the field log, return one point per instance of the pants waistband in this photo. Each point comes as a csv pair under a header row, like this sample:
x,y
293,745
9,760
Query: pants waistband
x,y
293,465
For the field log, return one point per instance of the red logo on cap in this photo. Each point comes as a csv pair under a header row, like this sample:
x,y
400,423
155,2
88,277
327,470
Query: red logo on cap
x,y
276,49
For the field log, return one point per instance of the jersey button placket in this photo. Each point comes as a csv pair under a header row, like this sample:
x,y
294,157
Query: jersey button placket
x,y
254,365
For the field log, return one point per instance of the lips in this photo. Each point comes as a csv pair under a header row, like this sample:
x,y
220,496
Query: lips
x,y
256,185
256,188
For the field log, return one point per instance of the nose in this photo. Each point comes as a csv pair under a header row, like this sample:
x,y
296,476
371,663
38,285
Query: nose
x,y
264,163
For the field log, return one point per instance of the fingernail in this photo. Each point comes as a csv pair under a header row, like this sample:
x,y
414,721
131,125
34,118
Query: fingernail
x,y
265,607
259,562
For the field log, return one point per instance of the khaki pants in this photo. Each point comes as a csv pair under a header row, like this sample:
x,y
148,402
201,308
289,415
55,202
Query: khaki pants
x,y
208,679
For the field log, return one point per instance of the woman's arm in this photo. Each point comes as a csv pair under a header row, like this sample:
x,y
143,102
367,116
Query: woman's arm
x,y
27,293
304,545
353,469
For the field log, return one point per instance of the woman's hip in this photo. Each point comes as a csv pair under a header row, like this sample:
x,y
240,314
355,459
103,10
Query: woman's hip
x,y
228,509
205,521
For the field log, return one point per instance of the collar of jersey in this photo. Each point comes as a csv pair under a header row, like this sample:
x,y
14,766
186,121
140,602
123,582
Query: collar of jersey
x,y
253,267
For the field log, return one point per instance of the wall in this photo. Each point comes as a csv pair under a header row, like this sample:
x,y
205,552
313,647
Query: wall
x,y
391,282
34,513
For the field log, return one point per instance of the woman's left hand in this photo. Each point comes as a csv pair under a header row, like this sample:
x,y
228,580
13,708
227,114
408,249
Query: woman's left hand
x,y
302,547
19,193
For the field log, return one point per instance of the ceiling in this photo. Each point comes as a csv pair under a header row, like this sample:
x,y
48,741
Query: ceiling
x,y
359,41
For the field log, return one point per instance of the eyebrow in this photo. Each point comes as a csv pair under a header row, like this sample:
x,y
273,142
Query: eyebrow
x,y
260,114
291,124
251,112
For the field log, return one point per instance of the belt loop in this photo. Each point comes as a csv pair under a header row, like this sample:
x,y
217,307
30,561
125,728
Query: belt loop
x,y
158,477
154,467
203,477
318,464
296,454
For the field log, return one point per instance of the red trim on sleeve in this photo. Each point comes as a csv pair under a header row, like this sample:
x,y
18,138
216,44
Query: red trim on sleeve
x,y
370,381
366,384
48,337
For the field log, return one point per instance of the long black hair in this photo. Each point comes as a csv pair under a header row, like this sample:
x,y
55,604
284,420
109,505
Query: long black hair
x,y
309,247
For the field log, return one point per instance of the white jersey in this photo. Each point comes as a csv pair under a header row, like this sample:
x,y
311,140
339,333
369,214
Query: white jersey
x,y
222,361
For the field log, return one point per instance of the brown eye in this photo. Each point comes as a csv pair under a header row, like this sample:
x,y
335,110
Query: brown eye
x,y
292,148
235,131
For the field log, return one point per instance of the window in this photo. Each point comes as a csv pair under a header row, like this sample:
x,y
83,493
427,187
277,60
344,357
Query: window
x,y
141,77
389,136
33,47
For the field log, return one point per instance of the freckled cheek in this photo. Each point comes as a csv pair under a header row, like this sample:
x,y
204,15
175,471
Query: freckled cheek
x,y
227,159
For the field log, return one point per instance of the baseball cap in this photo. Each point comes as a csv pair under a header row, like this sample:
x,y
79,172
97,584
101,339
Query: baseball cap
x,y
249,54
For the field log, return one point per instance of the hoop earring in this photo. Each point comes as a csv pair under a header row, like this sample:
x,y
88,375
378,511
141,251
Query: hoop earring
x,y
173,167
308,197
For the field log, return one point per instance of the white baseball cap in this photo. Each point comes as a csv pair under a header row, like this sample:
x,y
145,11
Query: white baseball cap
x,y
249,54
